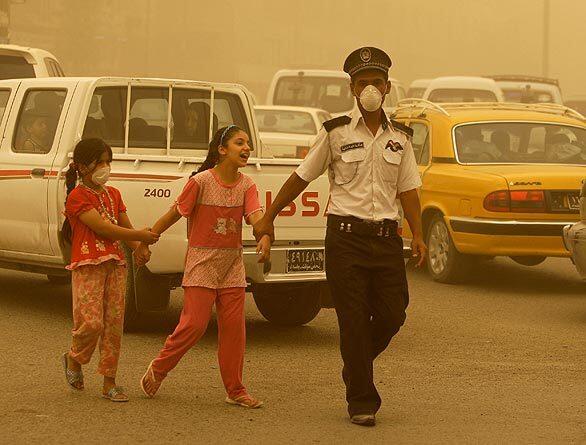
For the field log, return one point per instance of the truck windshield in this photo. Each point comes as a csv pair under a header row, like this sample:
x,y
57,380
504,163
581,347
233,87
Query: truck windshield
x,y
282,121
531,96
329,93
15,67
520,143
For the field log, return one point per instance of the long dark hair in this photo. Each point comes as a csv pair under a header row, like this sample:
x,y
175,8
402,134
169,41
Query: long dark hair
x,y
85,152
220,138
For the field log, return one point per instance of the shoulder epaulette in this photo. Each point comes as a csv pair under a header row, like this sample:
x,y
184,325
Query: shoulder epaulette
x,y
337,122
402,128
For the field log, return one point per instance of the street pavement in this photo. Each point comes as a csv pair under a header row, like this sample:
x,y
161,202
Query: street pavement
x,y
500,358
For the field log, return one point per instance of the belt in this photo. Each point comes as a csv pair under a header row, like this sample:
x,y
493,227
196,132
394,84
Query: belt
x,y
350,224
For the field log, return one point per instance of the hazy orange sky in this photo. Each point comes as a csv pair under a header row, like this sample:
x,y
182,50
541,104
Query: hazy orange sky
x,y
247,41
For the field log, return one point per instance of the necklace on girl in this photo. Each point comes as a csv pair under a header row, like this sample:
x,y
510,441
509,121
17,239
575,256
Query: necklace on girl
x,y
105,211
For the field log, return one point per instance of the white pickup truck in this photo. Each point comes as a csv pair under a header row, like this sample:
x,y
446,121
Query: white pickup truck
x,y
159,131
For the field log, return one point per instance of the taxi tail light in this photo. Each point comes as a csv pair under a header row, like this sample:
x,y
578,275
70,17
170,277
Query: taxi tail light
x,y
519,201
498,201
528,201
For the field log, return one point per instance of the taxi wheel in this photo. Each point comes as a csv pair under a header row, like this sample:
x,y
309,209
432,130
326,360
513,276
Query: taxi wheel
x,y
290,304
444,263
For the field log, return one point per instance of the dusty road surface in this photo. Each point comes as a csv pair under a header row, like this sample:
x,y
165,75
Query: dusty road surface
x,y
498,359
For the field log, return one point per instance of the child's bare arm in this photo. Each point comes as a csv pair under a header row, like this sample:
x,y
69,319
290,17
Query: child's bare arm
x,y
124,221
167,220
106,229
263,247
256,217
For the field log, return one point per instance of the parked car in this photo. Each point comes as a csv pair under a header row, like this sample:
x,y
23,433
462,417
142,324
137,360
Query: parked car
x,y
529,89
417,88
289,132
159,131
463,89
575,236
19,62
325,89
498,180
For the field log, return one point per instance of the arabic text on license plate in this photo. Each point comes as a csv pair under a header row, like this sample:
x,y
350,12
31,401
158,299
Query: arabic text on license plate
x,y
573,201
305,260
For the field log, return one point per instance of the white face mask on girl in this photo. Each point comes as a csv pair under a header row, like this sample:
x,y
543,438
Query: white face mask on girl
x,y
101,175
371,98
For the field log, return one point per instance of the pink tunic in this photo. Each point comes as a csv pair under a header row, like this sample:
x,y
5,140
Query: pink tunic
x,y
215,212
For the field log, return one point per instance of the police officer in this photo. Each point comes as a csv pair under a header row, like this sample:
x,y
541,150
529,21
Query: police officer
x,y
371,167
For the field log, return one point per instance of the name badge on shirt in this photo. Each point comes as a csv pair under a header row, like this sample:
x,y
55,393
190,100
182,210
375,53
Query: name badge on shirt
x,y
393,146
345,148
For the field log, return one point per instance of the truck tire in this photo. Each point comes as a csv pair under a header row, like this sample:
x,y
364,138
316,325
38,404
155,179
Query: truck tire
x,y
59,279
444,263
288,304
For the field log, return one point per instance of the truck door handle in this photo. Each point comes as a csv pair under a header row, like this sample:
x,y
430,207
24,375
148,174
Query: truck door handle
x,y
38,172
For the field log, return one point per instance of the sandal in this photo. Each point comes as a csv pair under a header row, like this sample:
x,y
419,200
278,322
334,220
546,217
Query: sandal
x,y
149,376
72,377
116,394
247,401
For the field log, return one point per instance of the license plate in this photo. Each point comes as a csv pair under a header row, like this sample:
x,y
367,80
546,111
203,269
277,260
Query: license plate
x,y
573,201
305,260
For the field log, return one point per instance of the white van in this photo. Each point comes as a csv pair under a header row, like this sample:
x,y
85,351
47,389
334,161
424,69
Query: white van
x,y
463,89
529,89
325,89
417,88
19,62
145,122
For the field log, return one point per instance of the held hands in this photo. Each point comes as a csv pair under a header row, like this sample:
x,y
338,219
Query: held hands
x,y
418,250
263,249
147,236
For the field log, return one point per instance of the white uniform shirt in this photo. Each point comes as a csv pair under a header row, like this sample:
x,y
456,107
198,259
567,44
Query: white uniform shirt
x,y
366,172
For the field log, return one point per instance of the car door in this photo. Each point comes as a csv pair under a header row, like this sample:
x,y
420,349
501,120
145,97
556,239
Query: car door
x,y
29,145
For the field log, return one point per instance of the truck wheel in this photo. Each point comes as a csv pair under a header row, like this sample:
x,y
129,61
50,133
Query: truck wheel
x,y
444,263
289,304
59,279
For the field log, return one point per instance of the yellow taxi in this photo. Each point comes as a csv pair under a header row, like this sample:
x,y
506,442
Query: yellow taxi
x,y
499,179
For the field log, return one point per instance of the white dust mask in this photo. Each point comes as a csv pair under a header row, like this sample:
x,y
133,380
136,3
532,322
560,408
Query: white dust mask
x,y
371,98
101,175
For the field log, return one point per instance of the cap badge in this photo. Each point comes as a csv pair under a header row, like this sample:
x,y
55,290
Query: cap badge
x,y
365,55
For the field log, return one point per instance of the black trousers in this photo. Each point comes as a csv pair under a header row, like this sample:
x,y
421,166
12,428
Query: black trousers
x,y
367,279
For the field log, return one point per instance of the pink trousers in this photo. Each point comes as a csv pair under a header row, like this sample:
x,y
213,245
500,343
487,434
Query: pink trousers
x,y
98,314
197,310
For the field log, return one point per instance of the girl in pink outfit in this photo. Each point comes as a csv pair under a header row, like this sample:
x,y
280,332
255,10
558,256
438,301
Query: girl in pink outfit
x,y
215,201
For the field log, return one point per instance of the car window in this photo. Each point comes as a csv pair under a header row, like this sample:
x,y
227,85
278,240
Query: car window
x,y
228,110
461,95
520,142
107,115
283,121
191,119
15,67
51,67
37,121
529,96
416,93
328,93
420,142
4,96
147,121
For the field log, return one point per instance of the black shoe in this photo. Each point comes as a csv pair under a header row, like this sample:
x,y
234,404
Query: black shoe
x,y
363,419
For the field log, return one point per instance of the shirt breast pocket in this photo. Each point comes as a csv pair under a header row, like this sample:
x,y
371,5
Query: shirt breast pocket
x,y
346,167
390,165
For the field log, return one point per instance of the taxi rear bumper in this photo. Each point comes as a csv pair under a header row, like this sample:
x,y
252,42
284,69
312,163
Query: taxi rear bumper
x,y
508,237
